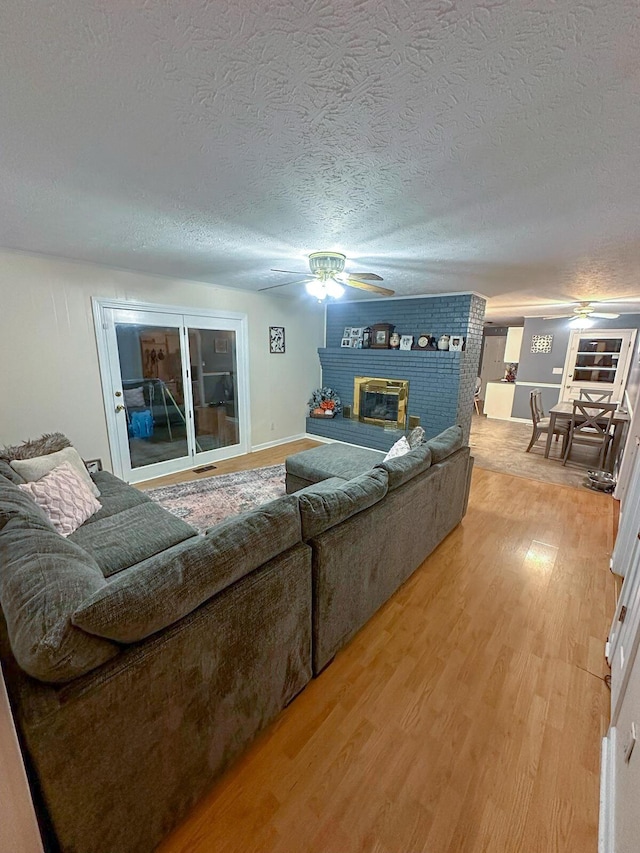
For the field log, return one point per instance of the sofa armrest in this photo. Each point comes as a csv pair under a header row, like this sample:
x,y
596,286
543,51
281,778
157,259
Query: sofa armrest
x,y
161,590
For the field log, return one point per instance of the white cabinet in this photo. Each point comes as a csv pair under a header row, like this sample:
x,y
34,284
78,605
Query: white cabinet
x,y
514,344
498,399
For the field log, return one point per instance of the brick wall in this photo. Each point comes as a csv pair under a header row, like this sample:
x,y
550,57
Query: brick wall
x,y
441,384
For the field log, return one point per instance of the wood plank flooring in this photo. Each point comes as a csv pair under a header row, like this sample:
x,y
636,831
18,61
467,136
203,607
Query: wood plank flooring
x,y
465,717
259,459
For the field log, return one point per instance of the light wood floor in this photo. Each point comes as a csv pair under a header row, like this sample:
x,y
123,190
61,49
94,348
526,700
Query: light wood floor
x,y
466,715
259,459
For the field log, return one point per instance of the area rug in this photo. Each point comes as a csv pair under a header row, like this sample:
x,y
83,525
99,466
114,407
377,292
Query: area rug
x,y
209,501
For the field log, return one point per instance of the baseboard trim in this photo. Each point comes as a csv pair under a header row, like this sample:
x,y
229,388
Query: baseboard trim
x,y
607,793
267,444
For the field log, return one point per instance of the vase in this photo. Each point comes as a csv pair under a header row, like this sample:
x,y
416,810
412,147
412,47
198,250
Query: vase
x,y
443,342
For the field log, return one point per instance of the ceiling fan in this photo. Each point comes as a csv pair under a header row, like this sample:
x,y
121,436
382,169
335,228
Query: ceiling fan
x,y
583,312
328,279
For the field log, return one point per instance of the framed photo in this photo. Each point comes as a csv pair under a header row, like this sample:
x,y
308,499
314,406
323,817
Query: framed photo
x,y
345,342
356,332
456,342
276,339
380,333
347,332
220,345
406,341
93,465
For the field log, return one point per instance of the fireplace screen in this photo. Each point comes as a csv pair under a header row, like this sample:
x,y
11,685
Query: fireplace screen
x,y
381,401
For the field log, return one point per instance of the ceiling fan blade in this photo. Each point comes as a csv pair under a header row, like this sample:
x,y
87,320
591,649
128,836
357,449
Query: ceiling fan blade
x,y
366,276
604,316
291,272
558,316
373,288
286,283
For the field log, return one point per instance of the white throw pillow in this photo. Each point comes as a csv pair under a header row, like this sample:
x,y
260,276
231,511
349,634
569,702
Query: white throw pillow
x,y
399,449
64,496
134,397
33,469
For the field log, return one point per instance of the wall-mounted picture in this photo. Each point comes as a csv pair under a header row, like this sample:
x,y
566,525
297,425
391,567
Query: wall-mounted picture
x,y
276,339
406,341
345,342
541,343
456,343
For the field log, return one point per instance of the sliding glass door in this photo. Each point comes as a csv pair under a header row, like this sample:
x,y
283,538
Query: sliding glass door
x,y
175,388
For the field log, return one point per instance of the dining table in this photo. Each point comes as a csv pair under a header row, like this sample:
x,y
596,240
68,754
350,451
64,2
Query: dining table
x,y
564,410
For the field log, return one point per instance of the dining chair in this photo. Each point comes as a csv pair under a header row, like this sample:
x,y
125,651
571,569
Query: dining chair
x,y
476,394
541,423
591,425
595,396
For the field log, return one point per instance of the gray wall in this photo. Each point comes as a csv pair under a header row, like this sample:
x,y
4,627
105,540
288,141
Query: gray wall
x,y
538,367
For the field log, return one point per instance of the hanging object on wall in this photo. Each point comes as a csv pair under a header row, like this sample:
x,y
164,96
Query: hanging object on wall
x,y
276,339
541,343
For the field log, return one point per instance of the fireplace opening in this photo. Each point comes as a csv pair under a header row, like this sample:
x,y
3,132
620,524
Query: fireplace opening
x,y
382,402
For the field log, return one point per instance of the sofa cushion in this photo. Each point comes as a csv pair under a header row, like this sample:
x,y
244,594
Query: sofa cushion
x,y
328,503
44,578
332,460
401,447
403,468
161,590
445,444
7,471
64,496
128,537
36,467
115,496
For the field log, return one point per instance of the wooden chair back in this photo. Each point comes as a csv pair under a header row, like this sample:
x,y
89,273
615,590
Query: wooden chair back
x,y
535,401
595,396
592,419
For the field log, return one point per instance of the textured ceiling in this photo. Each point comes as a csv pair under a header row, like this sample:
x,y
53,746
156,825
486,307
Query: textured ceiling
x,y
448,145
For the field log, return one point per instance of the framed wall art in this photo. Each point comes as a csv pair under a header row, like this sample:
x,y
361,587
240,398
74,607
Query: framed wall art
x,y
541,343
276,339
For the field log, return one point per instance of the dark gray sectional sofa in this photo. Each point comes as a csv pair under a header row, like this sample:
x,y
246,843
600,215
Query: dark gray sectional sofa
x,y
361,561
142,657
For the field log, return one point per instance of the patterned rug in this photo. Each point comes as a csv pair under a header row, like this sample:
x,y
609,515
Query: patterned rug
x,y
209,501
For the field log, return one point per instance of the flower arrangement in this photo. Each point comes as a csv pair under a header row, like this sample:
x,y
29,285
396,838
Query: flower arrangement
x,y
325,401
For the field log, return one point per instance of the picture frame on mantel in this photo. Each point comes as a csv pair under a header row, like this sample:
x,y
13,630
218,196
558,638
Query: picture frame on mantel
x,y
380,334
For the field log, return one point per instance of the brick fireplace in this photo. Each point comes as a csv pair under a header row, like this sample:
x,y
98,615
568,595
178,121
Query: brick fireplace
x,y
441,383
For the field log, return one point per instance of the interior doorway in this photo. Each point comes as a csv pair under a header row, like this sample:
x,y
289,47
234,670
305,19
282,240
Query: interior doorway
x,y
175,387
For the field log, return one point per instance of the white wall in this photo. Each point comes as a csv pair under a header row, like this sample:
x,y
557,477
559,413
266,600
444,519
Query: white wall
x,y
49,376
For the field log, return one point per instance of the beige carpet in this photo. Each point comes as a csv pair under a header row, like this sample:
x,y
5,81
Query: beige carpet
x,y
501,445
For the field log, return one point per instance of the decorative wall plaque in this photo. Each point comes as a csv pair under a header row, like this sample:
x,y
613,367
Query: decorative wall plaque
x,y
541,343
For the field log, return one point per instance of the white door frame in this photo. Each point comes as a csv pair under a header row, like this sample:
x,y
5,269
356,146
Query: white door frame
x,y
624,361
111,383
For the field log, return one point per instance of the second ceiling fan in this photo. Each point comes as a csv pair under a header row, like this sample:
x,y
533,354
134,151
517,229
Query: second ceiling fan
x,y
583,311
327,278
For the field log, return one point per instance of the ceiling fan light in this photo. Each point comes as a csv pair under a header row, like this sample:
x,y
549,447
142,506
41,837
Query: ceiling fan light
x,y
327,262
581,322
316,289
334,288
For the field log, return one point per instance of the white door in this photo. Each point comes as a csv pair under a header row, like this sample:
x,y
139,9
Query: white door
x,y
626,562
217,362
175,387
598,362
